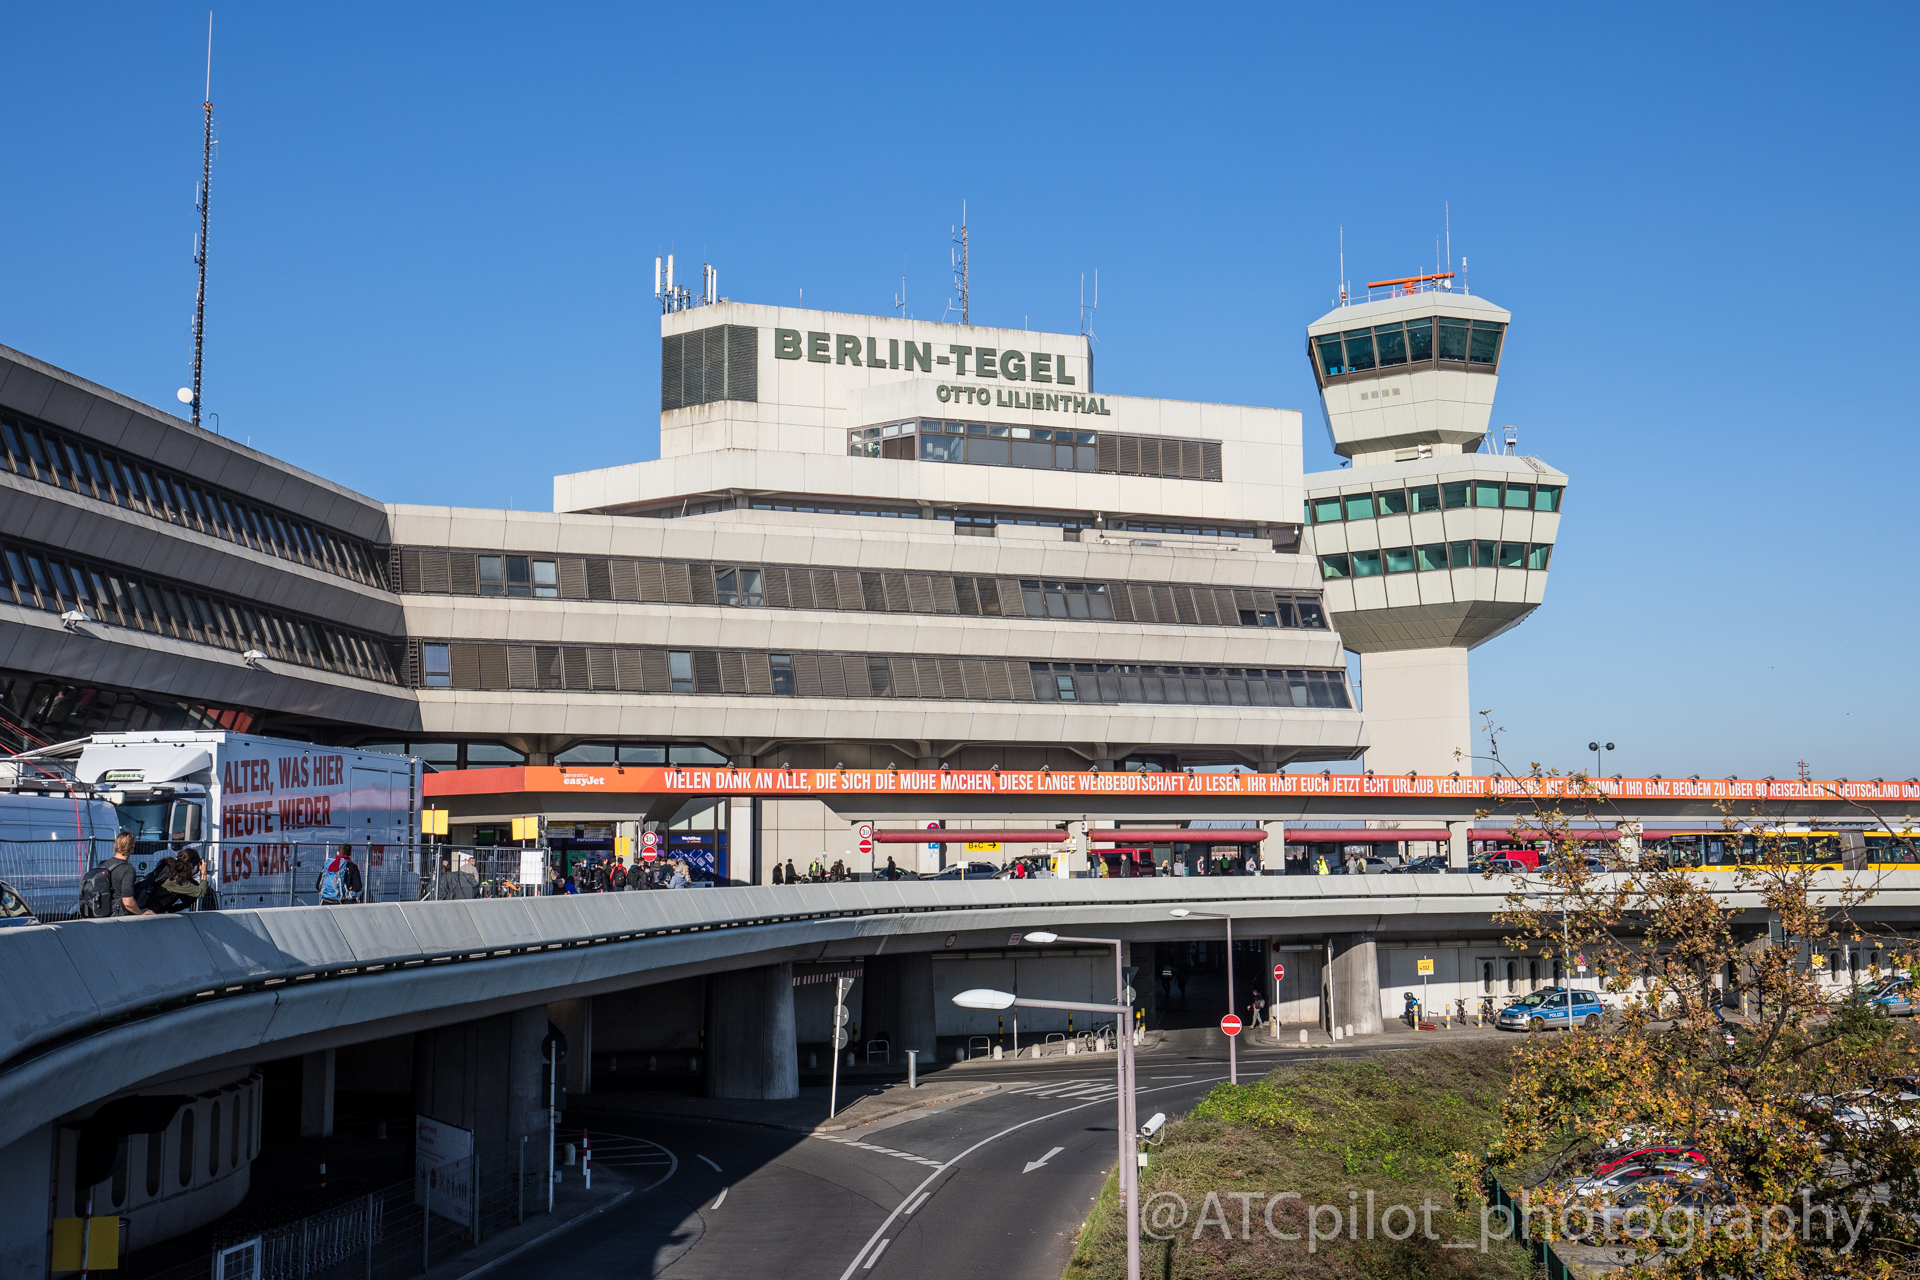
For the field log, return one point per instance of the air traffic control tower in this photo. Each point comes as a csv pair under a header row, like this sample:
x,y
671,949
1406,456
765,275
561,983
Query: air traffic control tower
x,y
1431,543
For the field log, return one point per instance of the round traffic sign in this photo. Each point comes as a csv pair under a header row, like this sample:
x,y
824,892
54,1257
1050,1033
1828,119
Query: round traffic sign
x,y
648,855
866,846
840,1015
840,1038
1230,1025
864,831
1279,973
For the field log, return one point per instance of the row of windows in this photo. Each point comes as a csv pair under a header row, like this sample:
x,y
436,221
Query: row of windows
x,y
58,583
1453,495
46,453
1438,555
465,665
430,571
498,755
1418,341
1219,686
995,444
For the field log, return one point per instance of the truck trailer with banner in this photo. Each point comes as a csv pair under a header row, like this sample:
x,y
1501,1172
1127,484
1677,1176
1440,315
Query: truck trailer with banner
x,y
266,814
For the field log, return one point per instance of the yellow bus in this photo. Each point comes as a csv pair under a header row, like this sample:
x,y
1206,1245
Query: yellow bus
x,y
1726,850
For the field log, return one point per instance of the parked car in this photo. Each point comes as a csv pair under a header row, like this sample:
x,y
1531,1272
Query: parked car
x,y
964,871
1428,866
1894,998
13,908
1550,1008
1505,867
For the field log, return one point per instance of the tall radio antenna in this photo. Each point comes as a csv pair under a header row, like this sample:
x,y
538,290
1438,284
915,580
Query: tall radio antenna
x,y
960,277
200,246
1087,309
1343,264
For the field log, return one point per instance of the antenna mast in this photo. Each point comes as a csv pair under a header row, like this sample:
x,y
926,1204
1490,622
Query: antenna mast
x,y
200,249
1086,310
960,277
1343,264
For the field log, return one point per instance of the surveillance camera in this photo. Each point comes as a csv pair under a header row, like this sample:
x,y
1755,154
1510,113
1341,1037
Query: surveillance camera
x,y
72,619
253,657
1152,1126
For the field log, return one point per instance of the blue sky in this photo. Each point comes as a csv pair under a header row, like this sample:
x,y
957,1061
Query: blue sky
x,y
434,229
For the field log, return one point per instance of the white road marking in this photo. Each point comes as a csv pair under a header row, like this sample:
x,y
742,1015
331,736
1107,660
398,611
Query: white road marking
x,y
710,1164
876,1255
625,1152
924,1197
858,1145
1042,1161
717,1203
914,1195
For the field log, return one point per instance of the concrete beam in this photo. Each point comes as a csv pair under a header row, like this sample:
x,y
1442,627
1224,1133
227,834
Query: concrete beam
x,y
1356,983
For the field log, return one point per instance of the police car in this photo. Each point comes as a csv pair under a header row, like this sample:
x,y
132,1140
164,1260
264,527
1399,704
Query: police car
x,y
1553,1007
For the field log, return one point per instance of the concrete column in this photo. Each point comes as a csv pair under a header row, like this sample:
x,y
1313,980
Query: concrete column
x,y
486,1077
26,1210
898,1004
575,1020
1459,847
743,841
751,1047
1273,850
316,1094
1356,982
1419,715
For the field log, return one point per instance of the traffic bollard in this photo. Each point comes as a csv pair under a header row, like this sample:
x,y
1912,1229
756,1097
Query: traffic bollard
x,y
913,1066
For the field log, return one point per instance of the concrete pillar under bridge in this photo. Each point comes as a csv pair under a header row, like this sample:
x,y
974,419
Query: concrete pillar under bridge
x,y
1353,981
751,1047
898,1005
486,1077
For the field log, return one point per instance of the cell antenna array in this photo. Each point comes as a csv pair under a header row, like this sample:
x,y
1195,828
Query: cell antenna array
x,y
961,280
678,297
200,245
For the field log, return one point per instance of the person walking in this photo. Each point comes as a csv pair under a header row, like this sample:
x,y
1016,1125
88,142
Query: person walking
x,y
1719,1002
1320,867
779,876
176,884
114,897
893,872
793,877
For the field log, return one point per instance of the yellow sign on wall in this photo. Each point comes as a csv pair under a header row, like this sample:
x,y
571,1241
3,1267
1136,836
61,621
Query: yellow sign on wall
x,y
983,846
103,1243
1425,968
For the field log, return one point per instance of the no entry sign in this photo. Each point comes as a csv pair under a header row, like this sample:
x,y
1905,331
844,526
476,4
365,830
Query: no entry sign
x,y
866,846
649,846
1230,1025
1279,973
865,833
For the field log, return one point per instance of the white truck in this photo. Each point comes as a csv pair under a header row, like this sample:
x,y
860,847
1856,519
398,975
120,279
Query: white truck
x,y
267,814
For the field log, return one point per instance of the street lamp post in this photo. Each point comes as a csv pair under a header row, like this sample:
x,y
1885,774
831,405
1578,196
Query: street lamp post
x,y
988,1000
1596,748
1128,1167
1233,1057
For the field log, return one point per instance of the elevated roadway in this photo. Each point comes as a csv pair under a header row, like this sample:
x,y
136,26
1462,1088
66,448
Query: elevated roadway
x,y
93,1009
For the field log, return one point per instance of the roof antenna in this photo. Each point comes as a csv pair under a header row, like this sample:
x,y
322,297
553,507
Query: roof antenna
x,y
191,395
900,303
961,279
1087,309
1513,439
1343,264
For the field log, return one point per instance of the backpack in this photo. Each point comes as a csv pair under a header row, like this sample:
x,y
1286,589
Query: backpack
x,y
96,893
331,885
144,887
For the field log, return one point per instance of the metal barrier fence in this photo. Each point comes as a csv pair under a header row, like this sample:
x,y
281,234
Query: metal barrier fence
x,y
47,873
397,1231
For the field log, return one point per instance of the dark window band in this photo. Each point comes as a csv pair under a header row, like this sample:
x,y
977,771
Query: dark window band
x,y
627,669
40,578
40,451
432,571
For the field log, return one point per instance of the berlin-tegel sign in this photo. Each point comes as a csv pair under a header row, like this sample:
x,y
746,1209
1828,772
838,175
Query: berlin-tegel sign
x,y
976,782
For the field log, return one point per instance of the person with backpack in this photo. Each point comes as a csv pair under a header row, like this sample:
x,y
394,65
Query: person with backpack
x,y
340,882
108,889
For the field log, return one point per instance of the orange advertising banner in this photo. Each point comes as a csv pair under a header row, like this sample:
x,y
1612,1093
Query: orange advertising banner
x,y
975,782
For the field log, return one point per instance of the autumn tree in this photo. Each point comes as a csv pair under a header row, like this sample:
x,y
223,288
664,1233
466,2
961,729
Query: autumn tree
x,y
1804,1109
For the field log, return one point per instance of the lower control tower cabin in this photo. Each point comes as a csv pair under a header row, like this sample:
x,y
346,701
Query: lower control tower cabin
x,y
1430,544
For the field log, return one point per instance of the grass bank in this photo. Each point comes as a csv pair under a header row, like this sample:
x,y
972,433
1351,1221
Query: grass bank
x,y
1366,1145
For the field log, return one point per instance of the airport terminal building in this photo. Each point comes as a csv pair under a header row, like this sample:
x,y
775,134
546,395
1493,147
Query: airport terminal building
x,y
867,541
